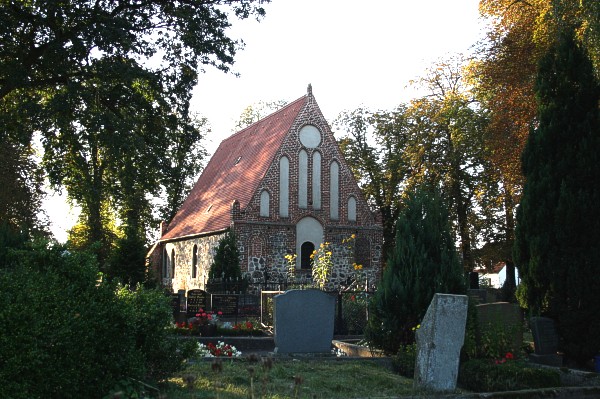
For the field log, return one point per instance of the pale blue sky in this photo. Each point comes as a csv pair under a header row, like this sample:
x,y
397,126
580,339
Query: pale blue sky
x,y
352,52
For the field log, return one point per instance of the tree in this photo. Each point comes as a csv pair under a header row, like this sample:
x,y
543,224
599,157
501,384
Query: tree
x,y
373,145
446,149
21,195
257,111
49,44
226,263
108,85
558,220
184,160
424,262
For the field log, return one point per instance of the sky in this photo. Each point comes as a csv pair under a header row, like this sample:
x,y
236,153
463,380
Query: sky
x,y
353,53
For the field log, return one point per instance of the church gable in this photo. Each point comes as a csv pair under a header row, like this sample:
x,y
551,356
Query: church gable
x,y
308,176
284,188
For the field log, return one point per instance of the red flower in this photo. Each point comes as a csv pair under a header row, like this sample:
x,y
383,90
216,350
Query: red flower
x,y
197,314
220,313
249,325
353,298
509,355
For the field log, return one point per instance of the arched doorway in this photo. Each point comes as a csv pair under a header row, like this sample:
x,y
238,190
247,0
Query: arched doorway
x,y
309,235
306,249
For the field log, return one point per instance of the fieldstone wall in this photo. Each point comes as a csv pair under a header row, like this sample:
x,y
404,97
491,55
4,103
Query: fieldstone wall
x,y
182,279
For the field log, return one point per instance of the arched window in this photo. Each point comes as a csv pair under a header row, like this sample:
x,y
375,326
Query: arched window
x,y
172,263
195,261
284,187
264,203
334,191
352,209
306,250
316,180
165,263
303,179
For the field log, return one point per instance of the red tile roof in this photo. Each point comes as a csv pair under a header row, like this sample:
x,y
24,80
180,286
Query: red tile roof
x,y
225,179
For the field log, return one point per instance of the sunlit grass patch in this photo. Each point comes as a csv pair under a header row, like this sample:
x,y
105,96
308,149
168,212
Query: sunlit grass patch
x,y
287,379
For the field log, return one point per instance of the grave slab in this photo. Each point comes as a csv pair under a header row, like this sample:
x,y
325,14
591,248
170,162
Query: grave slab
x,y
439,341
545,340
303,321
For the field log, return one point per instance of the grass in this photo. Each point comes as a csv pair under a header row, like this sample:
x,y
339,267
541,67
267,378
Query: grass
x,y
287,379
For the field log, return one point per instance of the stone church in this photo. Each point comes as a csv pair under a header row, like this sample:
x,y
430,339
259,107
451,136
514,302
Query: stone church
x,y
282,186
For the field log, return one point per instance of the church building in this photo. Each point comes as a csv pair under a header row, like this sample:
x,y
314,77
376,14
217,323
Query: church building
x,y
283,187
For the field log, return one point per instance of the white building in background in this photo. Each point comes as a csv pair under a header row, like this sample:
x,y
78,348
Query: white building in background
x,y
497,277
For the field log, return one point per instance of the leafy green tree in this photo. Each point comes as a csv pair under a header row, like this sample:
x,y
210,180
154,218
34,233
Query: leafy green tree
x,y
558,220
424,262
374,145
108,85
446,148
257,111
21,196
226,263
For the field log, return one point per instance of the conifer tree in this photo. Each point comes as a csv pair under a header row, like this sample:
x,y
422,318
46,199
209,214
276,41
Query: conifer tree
x,y
226,263
558,221
424,262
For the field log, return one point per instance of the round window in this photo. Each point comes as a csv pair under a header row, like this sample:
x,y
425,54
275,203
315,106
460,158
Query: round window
x,y
310,136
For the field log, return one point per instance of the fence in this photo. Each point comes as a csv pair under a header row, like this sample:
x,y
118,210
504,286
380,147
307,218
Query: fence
x,y
243,300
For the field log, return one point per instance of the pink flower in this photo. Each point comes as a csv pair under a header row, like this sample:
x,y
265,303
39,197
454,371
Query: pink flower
x,y
219,313
197,314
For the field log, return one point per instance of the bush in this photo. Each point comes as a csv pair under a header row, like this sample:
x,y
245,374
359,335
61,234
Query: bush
x,y
226,262
66,334
404,361
424,262
484,375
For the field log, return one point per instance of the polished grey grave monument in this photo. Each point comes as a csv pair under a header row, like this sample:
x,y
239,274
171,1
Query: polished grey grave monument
x,y
303,321
439,341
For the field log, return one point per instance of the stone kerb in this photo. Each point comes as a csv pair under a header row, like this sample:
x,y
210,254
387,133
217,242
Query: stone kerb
x,y
439,341
303,321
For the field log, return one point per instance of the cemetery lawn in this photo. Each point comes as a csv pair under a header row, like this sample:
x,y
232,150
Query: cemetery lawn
x,y
288,379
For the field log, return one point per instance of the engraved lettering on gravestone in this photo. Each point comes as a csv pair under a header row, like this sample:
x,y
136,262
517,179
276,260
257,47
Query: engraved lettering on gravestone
x,y
226,304
196,300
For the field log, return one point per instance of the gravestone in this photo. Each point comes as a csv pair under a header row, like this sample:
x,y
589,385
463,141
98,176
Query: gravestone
x,y
501,319
178,306
439,341
196,300
227,304
545,341
303,321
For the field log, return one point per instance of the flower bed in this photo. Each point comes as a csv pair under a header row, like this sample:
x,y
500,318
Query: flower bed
x,y
221,349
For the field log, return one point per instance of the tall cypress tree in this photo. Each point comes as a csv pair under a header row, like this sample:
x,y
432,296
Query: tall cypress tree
x,y
557,244
424,262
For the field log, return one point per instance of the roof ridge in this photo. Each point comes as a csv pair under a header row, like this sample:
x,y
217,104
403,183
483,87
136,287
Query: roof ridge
x,y
262,120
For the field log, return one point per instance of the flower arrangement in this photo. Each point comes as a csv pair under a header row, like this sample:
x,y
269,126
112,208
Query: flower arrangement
x,y
507,357
221,349
205,317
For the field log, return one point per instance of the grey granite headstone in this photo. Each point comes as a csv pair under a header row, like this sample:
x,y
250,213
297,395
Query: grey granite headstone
x,y
545,341
303,321
439,341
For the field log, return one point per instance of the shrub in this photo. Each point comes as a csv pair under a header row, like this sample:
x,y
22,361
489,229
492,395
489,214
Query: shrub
x,y
226,263
424,262
404,361
484,375
66,334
